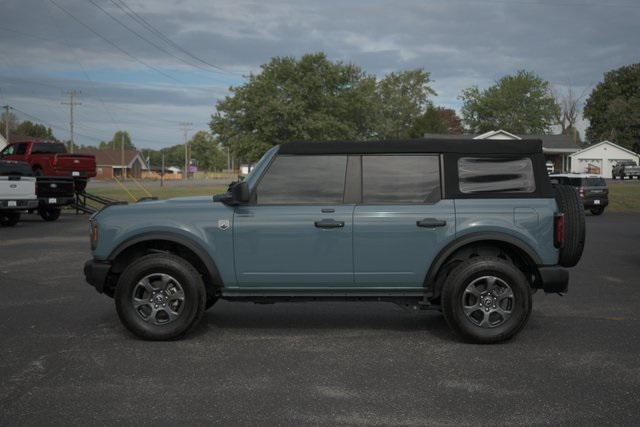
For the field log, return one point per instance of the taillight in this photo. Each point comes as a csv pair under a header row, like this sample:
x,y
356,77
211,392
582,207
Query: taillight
x,y
558,230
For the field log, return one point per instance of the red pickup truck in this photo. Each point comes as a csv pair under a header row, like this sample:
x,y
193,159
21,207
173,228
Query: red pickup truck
x,y
51,159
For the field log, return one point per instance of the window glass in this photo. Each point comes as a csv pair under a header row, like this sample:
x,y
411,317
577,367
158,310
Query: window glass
x,y
303,180
496,175
21,149
400,179
8,151
594,182
47,148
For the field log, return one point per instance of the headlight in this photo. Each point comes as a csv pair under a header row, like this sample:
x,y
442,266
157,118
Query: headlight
x,y
93,233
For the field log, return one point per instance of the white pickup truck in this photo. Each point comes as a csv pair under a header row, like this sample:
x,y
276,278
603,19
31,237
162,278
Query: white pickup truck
x,y
17,191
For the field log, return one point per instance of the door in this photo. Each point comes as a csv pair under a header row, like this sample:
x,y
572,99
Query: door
x,y
297,231
402,222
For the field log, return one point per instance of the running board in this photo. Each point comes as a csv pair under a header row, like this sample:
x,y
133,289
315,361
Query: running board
x,y
323,294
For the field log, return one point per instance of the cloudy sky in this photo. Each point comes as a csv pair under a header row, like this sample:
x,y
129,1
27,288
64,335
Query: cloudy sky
x,y
178,57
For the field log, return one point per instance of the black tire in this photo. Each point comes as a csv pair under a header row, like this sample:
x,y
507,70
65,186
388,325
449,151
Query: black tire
x,y
211,300
475,269
80,185
9,219
188,279
598,210
49,213
570,205
37,172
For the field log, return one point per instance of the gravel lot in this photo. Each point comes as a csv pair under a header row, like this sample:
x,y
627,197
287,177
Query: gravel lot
x,y
65,358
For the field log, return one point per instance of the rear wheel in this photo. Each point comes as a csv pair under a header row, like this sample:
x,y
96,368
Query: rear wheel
x,y
599,210
49,213
9,219
486,300
80,185
160,297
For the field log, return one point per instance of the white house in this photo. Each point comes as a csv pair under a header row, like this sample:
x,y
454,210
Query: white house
x,y
3,142
601,158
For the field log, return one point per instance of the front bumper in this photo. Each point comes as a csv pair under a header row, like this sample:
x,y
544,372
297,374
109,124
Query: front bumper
x,y
96,272
18,205
553,279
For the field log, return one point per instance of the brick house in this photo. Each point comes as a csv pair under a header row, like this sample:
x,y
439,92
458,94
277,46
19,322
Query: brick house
x,y
109,163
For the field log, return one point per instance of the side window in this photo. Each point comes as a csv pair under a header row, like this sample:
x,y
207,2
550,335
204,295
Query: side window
x,y
303,180
21,149
8,151
496,175
400,179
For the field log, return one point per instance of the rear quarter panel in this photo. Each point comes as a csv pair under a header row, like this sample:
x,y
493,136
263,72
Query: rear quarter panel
x,y
529,220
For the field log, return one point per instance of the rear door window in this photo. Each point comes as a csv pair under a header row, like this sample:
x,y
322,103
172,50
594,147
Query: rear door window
x,y
303,180
496,175
395,179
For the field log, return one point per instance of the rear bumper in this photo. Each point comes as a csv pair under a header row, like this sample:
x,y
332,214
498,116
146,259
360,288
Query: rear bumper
x,y
96,272
55,201
591,202
18,205
553,279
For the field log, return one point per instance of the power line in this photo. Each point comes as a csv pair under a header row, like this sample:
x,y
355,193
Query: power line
x,y
140,36
142,21
88,27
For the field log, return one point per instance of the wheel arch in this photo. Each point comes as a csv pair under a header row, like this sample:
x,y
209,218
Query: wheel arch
x,y
189,249
523,251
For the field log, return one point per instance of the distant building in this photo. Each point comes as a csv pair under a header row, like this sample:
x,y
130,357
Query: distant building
x,y
109,163
3,142
557,149
601,158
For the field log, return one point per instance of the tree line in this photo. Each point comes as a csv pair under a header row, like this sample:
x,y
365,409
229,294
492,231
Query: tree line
x,y
313,98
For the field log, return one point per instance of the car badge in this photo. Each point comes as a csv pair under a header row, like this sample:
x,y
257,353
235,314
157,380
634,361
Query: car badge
x,y
54,185
223,224
76,161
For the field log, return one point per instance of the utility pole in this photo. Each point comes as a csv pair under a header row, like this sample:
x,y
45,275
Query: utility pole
x,y
124,168
7,109
162,170
72,94
186,127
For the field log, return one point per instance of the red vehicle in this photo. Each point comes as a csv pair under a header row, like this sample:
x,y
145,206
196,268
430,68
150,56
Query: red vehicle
x,y
49,158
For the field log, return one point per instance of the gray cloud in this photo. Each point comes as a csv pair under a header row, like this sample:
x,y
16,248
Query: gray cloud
x,y
461,42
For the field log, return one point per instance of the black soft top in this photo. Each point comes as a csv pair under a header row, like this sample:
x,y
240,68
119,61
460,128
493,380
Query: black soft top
x,y
463,146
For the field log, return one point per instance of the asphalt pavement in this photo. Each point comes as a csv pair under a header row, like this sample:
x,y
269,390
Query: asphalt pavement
x,y
66,359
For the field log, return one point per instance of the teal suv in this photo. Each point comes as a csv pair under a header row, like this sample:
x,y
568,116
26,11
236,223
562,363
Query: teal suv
x,y
470,228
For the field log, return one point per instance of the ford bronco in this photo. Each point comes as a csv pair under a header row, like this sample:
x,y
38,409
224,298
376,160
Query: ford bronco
x,y
471,228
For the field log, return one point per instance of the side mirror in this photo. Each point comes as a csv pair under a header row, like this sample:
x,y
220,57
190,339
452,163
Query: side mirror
x,y
240,193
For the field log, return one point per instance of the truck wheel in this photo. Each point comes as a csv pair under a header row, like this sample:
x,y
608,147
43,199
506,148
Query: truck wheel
x,y
486,300
597,210
211,300
570,205
37,172
160,297
9,219
49,213
80,185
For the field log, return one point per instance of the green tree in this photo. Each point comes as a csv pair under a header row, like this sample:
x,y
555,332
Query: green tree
x,y
116,142
310,98
34,130
519,103
613,108
436,120
403,99
205,150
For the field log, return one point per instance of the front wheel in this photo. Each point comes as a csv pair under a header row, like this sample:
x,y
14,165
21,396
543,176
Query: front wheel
x,y
9,219
49,213
598,210
486,300
160,297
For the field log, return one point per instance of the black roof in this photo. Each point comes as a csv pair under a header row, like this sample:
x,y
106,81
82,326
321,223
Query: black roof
x,y
551,142
436,145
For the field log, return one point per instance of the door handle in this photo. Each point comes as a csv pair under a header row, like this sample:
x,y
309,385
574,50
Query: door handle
x,y
431,222
329,223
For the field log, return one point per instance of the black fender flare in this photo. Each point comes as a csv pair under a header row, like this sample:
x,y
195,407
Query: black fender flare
x,y
481,236
190,244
